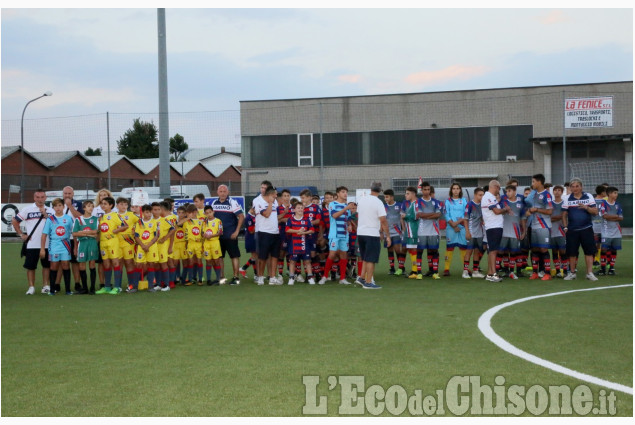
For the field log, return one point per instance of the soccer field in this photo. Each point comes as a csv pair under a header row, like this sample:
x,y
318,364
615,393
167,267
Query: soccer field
x,y
244,350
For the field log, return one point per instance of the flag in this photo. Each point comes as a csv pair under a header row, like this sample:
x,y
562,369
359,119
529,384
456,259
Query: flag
x,y
419,185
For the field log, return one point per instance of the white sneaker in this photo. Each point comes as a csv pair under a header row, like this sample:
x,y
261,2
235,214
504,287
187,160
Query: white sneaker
x,y
570,276
466,275
311,281
493,278
541,274
344,282
290,282
31,290
46,289
165,289
322,281
223,281
300,278
513,276
591,276
478,275
273,281
279,277
260,280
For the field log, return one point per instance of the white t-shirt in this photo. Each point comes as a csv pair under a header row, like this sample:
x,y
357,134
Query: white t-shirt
x,y
30,216
266,224
491,220
369,210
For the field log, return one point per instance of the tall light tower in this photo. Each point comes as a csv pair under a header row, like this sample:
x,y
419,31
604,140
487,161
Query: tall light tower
x,y
48,93
164,126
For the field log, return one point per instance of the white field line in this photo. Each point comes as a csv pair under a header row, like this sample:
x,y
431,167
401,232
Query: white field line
x,y
484,325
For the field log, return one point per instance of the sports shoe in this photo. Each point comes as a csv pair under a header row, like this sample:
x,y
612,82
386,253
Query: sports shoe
x,y
291,281
311,280
82,291
591,276
547,276
224,281
570,276
466,275
31,290
611,272
273,281
299,278
344,282
104,290
429,273
399,272
367,285
69,293
553,272
419,276
131,290
391,272
113,291
165,289
235,281
412,275
596,264
188,283
541,274
436,276
78,286
478,275
243,273
534,276
446,272
359,281
529,269
601,272
493,278
513,276
323,281
152,289
45,290
200,282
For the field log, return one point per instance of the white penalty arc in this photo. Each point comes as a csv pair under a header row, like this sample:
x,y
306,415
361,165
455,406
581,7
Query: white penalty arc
x,y
484,325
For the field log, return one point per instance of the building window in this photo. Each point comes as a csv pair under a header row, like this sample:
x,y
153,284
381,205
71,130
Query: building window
x,y
305,150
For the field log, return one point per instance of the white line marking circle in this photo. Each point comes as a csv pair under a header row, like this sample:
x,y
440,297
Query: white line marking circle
x,y
484,325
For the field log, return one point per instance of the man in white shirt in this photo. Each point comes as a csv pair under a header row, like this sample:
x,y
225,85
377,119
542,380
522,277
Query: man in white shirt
x,y
371,218
493,219
32,216
267,235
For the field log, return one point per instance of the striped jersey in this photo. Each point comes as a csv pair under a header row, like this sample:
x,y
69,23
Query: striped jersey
x,y
325,220
429,226
511,222
287,215
338,227
313,212
393,216
557,229
250,228
543,201
409,209
474,217
298,243
610,229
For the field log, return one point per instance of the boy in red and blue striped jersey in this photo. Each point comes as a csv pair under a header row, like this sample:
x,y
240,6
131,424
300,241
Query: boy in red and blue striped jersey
x,y
299,227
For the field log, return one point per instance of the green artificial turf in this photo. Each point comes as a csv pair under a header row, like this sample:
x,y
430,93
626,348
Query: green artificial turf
x,y
243,351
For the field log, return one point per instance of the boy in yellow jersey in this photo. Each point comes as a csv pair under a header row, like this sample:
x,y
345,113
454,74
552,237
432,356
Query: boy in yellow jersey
x,y
179,247
193,227
199,202
164,246
146,235
126,239
172,263
212,229
110,225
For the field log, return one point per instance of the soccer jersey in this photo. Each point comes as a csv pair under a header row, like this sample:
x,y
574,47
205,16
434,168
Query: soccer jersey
x,y
193,231
250,230
228,213
164,226
287,216
107,225
597,220
87,249
59,231
313,212
474,218
454,209
393,216
409,210
578,219
201,214
325,220
338,226
557,229
542,200
298,243
127,236
146,231
610,229
511,221
30,216
428,226
213,228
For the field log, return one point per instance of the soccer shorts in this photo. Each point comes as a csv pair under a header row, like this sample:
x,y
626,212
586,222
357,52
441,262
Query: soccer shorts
x,y
559,243
612,244
475,243
127,249
509,244
540,238
152,256
428,242
455,239
87,250
300,257
59,251
338,244
179,251
211,249
195,249
110,249
162,251
311,242
394,241
250,244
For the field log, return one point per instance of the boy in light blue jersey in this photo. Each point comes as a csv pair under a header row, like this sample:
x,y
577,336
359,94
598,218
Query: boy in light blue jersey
x,y
58,228
453,212
338,235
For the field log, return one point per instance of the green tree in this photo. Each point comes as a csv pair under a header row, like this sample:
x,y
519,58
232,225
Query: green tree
x,y
177,146
92,152
141,141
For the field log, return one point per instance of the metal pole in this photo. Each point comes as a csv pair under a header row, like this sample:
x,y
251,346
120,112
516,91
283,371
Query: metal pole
x,y
321,153
22,188
164,138
108,143
564,138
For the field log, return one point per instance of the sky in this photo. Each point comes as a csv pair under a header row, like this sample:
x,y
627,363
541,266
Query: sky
x,y
99,60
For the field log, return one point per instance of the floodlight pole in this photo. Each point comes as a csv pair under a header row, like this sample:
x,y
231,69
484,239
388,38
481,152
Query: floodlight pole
x,y
48,93
164,137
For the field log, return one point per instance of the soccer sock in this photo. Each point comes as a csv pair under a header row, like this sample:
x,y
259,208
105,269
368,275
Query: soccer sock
x,y
547,262
505,262
419,255
360,263
84,279
130,275
449,253
391,260
413,259
511,263
52,278
556,261
166,278
534,262
217,270
177,271
435,261
597,257
466,265
343,263
208,270
280,265
499,259
108,276
150,277
401,259
603,260
475,264
67,279
200,270
315,264
93,278
328,266
118,276
185,275
429,261
612,260
172,276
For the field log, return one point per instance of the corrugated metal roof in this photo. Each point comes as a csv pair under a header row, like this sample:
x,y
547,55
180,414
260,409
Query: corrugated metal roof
x,y
145,165
101,162
54,159
223,159
185,166
8,150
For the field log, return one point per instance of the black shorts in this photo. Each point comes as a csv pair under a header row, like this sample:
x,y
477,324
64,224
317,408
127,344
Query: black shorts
x,y
268,244
369,248
230,246
33,256
584,238
494,237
